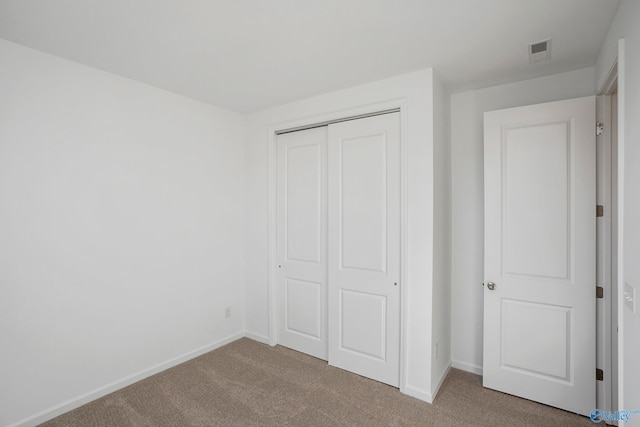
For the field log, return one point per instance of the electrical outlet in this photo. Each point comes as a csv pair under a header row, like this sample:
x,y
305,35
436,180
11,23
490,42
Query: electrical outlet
x,y
630,297
227,312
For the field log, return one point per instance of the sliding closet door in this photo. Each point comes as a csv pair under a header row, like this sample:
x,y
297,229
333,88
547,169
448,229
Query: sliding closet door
x,y
364,247
302,241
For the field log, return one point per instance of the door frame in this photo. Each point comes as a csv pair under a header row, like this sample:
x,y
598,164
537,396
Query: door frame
x,y
613,79
400,104
606,335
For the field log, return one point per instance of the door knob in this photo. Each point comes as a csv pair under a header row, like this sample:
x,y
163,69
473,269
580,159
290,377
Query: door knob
x,y
491,286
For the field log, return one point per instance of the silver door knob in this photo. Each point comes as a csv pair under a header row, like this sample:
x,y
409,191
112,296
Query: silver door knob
x,y
491,286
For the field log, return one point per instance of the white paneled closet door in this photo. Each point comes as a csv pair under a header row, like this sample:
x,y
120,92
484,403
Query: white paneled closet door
x,y
364,247
338,244
302,241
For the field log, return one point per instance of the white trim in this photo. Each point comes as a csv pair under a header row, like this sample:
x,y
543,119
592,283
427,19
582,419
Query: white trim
x,y
620,266
404,244
257,337
436,390
418,394
467,367
604,351
272,235
83,399
605,87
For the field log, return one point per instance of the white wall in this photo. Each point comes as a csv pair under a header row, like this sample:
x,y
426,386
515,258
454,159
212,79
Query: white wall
x,y
467,264
416,89
626,25
441,340
121,211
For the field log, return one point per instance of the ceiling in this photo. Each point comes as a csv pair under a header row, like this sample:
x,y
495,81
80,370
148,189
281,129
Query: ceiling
x,y
246,55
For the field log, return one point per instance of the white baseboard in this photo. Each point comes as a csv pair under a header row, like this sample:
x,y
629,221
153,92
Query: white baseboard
x,y
474,369
257,337
418,393
435,391
74,403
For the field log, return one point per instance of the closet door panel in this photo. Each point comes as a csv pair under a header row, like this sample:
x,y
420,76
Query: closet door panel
x,y
301,241
364,247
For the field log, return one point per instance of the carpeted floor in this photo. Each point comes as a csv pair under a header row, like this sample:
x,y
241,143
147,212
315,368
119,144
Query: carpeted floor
x,y
247,383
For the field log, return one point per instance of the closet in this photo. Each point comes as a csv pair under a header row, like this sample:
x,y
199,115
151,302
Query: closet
x,y
338,244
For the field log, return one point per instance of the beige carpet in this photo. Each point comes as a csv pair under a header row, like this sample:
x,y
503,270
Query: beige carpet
x,y
250,384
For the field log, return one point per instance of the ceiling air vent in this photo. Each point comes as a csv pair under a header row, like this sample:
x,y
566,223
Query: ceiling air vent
x,y
539,51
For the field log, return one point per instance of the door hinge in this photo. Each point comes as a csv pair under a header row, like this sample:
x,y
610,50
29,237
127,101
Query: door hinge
x,y
599,211
599,292
599,375
599,129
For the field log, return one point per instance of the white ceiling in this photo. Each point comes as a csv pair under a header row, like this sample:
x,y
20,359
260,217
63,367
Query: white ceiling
x,y
246,55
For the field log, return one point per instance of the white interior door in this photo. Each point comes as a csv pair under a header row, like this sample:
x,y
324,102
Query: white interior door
x,y
364,247
301,241
539,309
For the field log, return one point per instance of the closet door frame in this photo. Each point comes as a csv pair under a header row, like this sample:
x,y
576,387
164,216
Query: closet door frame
x,y
400,104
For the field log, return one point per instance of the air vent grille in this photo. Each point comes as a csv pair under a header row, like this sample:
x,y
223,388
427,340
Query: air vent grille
x,y
539,47
540,51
